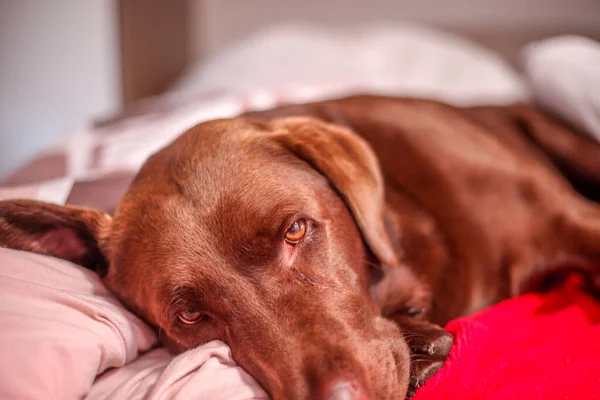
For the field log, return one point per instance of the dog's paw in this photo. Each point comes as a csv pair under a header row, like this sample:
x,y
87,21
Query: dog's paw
x,y
420,371
434,342
429,352
429,345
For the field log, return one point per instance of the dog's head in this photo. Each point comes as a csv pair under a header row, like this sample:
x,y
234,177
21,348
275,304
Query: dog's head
x,y
259,234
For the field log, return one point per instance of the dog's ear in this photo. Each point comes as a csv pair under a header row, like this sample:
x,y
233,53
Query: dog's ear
x,y
75,234
351,166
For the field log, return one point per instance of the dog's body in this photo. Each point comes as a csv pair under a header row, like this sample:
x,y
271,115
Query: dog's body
x,y
295,236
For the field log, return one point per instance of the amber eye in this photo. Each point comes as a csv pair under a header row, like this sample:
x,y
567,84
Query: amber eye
x,y
190,317
296,231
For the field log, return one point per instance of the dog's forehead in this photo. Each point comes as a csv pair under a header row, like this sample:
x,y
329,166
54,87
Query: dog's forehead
x,y
233,160
244,190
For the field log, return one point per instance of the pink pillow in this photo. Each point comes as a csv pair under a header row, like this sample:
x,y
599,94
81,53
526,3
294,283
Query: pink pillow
x,y
60,328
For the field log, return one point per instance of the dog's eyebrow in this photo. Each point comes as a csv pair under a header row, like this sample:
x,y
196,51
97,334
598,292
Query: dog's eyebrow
x,y
175,295
175,301
183,293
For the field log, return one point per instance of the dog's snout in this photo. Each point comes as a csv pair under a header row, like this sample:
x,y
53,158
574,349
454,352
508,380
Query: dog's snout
x,y
345,390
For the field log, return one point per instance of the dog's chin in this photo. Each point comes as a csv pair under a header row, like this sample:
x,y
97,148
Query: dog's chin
x,y
388,375
401,379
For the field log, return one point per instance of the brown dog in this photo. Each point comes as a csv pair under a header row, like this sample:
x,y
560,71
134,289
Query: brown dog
x,y
298,240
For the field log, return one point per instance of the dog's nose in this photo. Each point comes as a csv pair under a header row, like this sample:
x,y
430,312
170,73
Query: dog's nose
x,y
346,390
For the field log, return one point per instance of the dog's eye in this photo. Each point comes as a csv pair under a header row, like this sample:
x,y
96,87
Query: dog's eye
x,y
190,317
296,231
415,312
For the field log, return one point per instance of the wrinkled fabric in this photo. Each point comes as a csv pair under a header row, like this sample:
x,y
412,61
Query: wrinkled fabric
x,y
64,336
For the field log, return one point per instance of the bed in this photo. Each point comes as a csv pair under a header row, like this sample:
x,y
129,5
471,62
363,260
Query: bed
x,y
63,335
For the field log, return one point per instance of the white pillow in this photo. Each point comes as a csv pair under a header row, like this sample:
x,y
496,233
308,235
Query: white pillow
x,y
564,76
396,59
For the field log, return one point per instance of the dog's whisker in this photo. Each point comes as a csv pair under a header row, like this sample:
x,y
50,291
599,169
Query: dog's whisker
x,y
413,335
372,264
404,361
410,337
414,358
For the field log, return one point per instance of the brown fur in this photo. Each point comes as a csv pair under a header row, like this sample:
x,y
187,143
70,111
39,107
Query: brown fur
x,y
418,212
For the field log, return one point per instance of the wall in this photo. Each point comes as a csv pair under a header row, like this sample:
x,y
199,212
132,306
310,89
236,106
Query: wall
x,y
59,67
220,22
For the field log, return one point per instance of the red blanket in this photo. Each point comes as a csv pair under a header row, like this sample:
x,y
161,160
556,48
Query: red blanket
x,y
537,346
